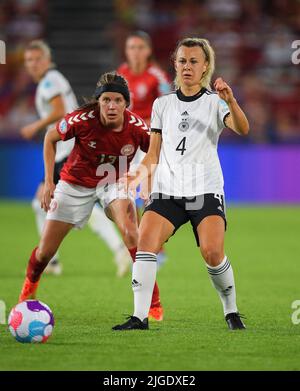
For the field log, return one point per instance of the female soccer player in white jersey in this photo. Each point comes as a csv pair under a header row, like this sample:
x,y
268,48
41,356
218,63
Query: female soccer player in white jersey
x,y
188,180
146,81
54,98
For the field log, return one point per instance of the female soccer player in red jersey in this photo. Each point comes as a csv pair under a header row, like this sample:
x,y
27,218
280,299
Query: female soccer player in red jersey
x,y
146,80
54,98
107,136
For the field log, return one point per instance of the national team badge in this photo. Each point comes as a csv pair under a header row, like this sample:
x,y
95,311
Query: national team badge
x,y
127,150
141,90
184,125
63,126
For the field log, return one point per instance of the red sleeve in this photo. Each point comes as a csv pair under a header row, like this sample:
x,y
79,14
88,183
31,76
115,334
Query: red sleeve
x,y
67,128
162,79
140,130
143,134
145,140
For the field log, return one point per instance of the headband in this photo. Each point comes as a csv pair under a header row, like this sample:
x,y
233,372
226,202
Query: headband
x,y
112,87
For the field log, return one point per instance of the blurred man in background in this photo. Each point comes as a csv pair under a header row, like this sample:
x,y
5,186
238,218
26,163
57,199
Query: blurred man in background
x,y
54,98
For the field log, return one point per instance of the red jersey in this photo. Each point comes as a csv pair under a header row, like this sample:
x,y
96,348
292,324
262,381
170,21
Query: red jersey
x,y
145,88
96,146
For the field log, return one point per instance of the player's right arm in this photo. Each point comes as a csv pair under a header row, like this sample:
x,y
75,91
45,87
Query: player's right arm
x,y
64,130
51,138
57,112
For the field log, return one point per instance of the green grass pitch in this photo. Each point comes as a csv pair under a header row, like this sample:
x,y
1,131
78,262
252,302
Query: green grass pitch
x,y
87,300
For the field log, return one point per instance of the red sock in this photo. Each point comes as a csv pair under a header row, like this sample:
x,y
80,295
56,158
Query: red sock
x,y
132,253
155,302
35,268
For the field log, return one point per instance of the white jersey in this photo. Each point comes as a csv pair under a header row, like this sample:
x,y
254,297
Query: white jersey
x,y
190,127
51,85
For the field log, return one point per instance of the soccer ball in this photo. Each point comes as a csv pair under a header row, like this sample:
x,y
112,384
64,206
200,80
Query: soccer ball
x,y
31,321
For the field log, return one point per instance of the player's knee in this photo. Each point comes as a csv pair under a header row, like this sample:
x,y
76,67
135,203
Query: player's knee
x,y
146,243
212,255
129,235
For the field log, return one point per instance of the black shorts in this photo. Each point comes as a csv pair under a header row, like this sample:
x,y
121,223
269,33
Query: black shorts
x,y
57,169
181,210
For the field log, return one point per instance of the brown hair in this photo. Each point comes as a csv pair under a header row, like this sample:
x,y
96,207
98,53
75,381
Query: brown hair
x,y
106,78
142,35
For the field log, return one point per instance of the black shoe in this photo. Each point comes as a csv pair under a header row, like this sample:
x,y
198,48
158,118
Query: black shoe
x,y
133,323
234,321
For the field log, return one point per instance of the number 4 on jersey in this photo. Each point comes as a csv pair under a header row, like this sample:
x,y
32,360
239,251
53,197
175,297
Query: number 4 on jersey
x,y
181,146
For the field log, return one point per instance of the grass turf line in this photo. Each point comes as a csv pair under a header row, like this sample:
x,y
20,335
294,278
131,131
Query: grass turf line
x,y
87,300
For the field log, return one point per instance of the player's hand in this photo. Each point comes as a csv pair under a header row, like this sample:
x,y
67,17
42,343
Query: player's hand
x,y
48,194
145,189
223,90
29,131
130,182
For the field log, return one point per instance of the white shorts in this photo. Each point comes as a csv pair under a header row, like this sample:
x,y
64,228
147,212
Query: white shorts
x,y
74,204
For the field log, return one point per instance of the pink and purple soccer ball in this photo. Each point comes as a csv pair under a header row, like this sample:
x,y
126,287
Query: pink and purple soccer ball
x,y
31,321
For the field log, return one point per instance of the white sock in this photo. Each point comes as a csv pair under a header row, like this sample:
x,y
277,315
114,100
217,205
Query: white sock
x,y
223,280
40,218
143,279
40,215
105,229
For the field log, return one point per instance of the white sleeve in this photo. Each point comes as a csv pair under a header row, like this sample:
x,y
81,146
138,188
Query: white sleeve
x,y
223,111
156,117
51,87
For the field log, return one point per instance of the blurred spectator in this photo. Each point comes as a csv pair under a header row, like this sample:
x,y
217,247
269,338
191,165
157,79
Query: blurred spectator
x,y
252,40
20,21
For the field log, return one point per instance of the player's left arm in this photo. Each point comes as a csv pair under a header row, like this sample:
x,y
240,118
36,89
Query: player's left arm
x,y
236,120
57,112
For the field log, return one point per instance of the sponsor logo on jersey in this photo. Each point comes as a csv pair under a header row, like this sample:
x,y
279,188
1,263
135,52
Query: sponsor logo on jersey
x,y
127,150
63,126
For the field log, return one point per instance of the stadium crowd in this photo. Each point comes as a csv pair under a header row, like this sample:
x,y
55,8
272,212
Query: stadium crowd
x,y
20,22
252,39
